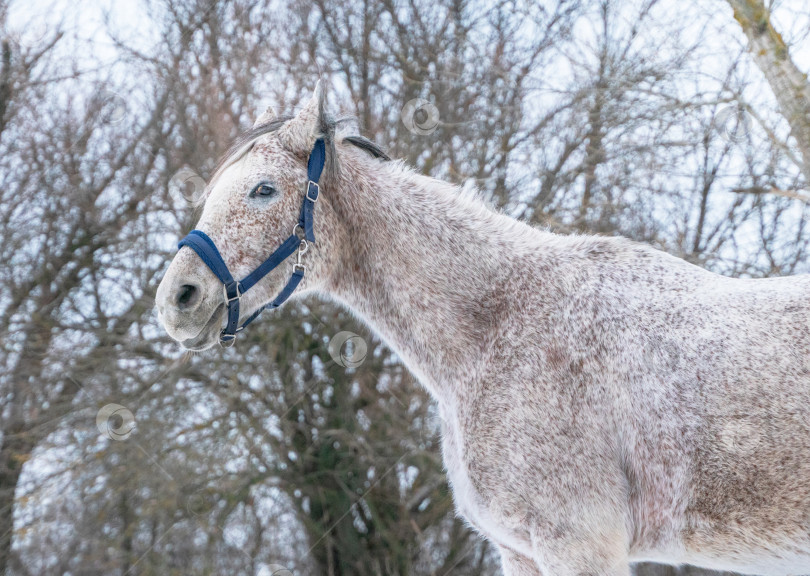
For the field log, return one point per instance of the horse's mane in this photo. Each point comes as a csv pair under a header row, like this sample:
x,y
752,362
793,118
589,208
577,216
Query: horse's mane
x,y
244,142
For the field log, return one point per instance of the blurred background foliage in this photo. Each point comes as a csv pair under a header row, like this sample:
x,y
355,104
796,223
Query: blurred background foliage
x,y
644,118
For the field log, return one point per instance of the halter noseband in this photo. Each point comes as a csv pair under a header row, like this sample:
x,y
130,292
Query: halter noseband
x,y
207,251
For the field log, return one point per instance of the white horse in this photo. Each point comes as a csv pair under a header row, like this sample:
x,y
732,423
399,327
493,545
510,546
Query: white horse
x,y
603,403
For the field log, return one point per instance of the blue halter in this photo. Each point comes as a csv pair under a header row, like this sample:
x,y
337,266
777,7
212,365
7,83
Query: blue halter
x,y
207,251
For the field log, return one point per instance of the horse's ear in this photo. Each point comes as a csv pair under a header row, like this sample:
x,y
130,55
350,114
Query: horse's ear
x,y
300,133
265,117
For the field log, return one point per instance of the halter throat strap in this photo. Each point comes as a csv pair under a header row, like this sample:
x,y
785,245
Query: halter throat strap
x,y
298,241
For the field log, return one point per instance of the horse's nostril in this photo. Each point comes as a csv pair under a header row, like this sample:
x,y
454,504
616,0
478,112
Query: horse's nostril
x,y
187,296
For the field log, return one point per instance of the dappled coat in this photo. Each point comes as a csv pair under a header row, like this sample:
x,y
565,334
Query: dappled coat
x,y
602,402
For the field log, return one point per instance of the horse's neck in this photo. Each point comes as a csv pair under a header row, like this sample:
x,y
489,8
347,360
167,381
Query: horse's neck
x,y
424,267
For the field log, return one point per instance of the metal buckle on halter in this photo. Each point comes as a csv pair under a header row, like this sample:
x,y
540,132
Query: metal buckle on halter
x,y
313,186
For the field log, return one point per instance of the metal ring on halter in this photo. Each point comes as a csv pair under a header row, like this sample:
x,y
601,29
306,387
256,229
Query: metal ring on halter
x,y
295,230
227,343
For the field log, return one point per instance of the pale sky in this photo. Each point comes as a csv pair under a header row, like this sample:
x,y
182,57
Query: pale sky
x,y
85,18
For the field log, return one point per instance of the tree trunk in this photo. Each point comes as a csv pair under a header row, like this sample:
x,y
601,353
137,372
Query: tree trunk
x,y
19,439
13,453
772,56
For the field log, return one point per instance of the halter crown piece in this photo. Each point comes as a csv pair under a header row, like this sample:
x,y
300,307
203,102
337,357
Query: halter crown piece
x,y
303,233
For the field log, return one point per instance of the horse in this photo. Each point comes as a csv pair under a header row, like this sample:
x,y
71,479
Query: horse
x,y
602,402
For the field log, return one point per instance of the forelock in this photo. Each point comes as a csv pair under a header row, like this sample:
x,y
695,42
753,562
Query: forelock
x,y
245,142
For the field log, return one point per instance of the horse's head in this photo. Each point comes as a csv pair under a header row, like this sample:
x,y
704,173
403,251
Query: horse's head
x,y
251,208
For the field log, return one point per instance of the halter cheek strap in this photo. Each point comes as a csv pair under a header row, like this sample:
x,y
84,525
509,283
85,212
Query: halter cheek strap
x,y
233,290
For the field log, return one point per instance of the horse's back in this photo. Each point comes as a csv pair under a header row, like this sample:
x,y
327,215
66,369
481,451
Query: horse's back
x,y
724,411
652,390
750,489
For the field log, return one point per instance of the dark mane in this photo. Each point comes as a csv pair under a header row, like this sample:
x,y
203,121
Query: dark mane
x,y
365,144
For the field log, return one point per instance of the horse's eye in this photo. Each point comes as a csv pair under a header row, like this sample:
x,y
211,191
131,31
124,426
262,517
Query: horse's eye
x,y
264,190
